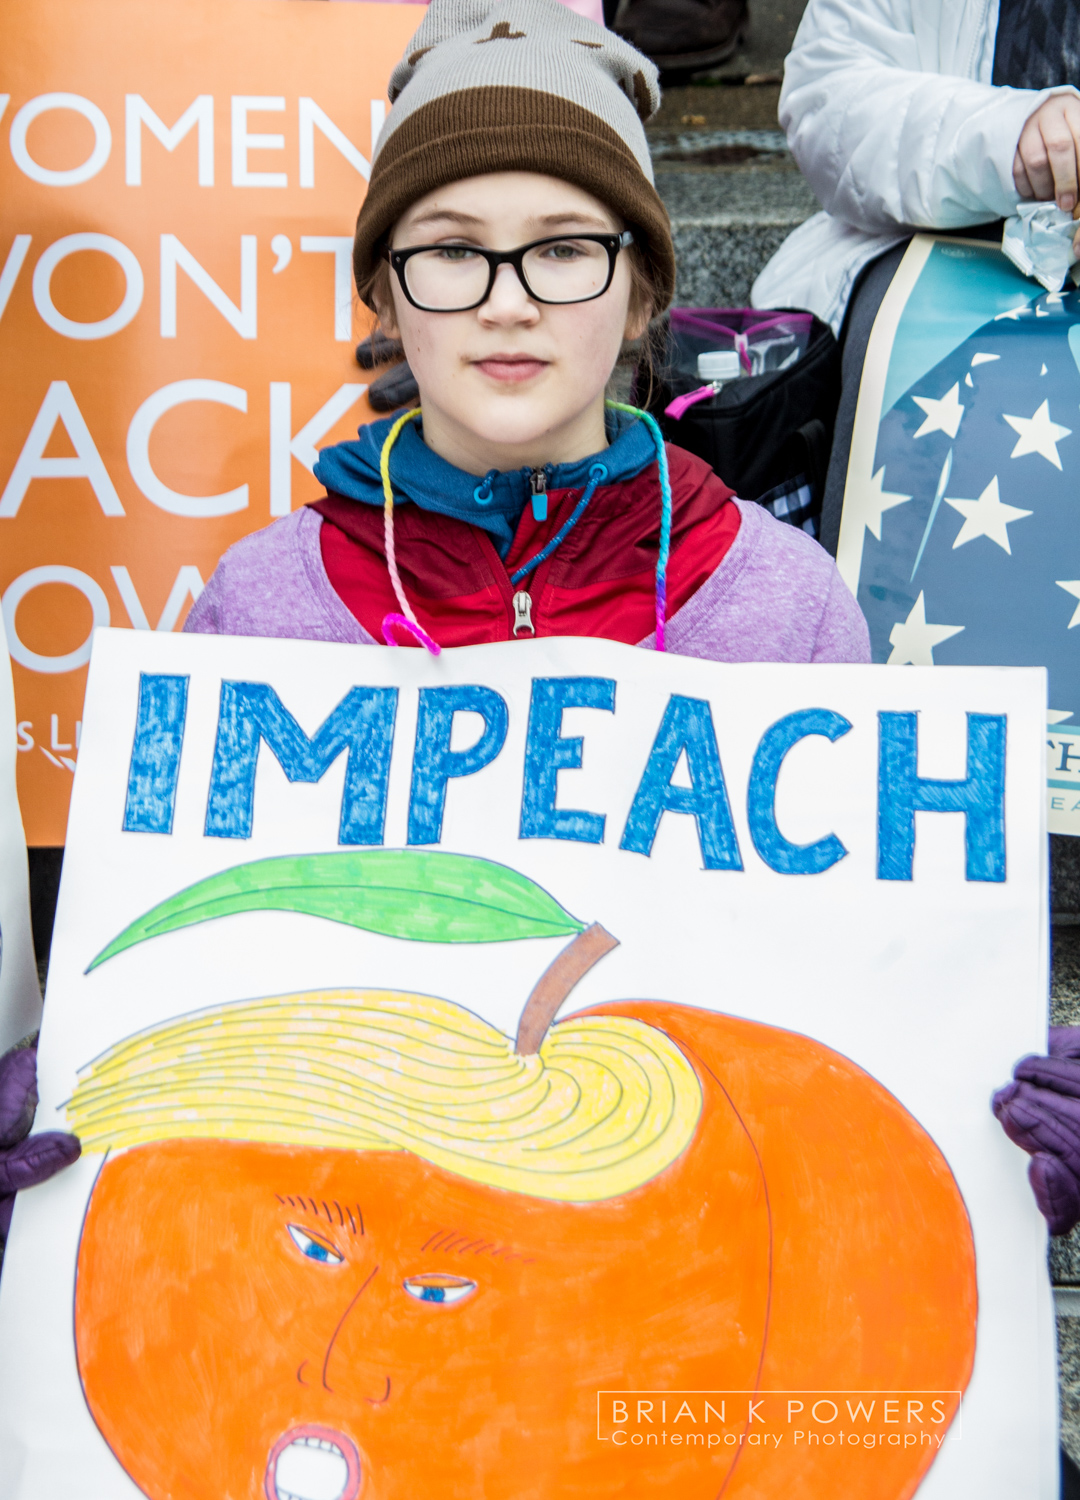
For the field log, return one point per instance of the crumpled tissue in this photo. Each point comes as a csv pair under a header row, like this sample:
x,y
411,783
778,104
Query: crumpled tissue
x,y
1039,240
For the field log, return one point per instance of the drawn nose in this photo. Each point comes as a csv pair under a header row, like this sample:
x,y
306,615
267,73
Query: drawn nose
x,y
336,1335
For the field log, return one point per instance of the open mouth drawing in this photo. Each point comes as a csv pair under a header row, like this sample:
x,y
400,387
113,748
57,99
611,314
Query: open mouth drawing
x,y
313,1463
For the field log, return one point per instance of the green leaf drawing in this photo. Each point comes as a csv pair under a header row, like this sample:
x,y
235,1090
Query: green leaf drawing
x,y
424,897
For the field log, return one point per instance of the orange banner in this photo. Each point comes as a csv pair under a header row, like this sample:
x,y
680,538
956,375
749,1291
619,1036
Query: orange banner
x,y
179,183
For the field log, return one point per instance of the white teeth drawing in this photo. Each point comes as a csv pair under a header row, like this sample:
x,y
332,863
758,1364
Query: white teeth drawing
x,y
311,1468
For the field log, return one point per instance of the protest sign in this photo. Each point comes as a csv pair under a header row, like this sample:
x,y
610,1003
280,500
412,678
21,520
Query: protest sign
x,y
958,536
179,185
553,1067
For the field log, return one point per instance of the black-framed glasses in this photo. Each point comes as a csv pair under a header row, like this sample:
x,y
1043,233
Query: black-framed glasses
x,y
556,270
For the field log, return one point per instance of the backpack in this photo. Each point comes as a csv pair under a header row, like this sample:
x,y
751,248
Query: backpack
x,y
767,433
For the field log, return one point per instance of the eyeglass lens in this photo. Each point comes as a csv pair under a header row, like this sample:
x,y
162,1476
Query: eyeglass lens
x,y
450,277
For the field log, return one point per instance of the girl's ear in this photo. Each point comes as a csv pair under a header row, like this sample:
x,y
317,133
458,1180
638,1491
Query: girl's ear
x,y
638,319
386,321
382,299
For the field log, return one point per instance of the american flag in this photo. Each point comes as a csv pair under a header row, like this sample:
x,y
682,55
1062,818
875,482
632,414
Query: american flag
x,y
971,552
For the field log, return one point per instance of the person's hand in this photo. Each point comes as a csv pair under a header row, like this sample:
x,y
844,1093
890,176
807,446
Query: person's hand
x,y
1047,161
25,1159
1040,1112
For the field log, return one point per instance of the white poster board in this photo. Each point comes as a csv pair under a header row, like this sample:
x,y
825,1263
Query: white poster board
x,y
327,1262
20,998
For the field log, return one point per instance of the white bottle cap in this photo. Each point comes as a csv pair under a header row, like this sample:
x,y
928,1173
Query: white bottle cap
x,y
719,364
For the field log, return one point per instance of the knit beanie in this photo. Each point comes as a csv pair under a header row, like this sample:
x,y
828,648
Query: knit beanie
x,y
518,86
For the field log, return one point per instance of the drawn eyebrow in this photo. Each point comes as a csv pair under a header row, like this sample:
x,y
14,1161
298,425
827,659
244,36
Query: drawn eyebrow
x,y
453,1242
323,1210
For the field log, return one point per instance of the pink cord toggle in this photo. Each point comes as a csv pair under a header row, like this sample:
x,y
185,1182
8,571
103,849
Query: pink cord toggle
x,y
684,403
401,622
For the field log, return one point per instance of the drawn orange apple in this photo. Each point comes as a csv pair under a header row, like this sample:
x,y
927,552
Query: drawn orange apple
x,y
266,1312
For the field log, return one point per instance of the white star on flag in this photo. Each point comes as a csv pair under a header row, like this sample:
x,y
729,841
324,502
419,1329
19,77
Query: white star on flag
x,y
913,640
1038,435
1072,588
876,501
943,415
987,516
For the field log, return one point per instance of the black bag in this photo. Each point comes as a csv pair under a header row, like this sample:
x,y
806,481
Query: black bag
x,y
766,434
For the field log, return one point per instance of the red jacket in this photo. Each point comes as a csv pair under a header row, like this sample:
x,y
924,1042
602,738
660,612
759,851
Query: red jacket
x,y
600,581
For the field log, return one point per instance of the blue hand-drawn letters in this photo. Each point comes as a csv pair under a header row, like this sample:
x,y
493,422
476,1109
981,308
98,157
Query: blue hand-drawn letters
x,y
362,727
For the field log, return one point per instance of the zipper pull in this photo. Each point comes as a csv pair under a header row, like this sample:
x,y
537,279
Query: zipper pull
x,y
522,603
538,485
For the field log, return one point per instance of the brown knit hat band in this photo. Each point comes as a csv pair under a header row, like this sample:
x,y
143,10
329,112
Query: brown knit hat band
x,y
473,131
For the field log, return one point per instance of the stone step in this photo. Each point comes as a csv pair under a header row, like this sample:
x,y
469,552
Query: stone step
x,y
733,196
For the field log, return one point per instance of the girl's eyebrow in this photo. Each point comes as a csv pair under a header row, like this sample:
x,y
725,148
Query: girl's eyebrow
x,y
452,215
544,221
551,220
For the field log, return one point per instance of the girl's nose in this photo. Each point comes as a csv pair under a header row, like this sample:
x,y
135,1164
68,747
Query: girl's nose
x,y
509,302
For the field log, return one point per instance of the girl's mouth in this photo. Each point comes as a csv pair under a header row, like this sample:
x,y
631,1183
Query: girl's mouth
x,y
511,369
313,1463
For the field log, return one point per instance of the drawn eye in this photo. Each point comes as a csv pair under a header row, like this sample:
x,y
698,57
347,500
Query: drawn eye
x,y
314,1249
438,1288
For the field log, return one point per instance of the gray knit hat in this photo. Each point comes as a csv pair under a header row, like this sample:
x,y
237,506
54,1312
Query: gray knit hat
x,y
518,85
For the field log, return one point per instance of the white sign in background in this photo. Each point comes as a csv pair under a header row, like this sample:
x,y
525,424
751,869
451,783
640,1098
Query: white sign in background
x,y
935,985
20,998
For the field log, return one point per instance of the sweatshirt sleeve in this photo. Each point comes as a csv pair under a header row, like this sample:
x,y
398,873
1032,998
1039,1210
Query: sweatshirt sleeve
x,y
842,634
205,615
882,137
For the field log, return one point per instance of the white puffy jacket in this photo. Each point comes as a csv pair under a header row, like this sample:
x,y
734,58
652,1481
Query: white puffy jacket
x,y
892,118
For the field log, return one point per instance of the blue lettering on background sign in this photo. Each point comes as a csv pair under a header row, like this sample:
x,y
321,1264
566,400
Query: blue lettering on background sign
x,y
434,763
777,851
980,796
687,726
547,753
155,754
362,724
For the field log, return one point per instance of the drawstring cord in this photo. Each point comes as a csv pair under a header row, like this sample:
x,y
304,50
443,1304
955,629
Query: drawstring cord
x,y
665,514
407,620
597,475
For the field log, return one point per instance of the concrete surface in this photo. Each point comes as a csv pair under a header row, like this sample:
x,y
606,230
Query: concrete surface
x,y
723,168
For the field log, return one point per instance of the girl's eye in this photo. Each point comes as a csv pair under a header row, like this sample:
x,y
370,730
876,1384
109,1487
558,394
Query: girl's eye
x,y
564,250
438,1288
314,1249
456,253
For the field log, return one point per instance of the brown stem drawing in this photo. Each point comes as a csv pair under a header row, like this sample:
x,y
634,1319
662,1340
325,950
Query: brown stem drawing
x,y
556,982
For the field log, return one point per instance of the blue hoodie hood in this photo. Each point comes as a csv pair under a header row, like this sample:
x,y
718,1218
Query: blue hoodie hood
x,y
422,477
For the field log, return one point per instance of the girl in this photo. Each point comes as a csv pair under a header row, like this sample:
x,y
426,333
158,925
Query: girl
x,y
512,239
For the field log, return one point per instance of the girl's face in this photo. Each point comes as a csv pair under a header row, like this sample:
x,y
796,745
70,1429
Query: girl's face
x,y
513,382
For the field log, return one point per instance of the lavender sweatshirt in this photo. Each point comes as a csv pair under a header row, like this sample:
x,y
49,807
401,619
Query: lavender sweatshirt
x,y
776,596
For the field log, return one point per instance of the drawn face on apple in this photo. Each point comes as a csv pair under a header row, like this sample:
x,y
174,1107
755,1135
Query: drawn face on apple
x,y
306,1324
406,1255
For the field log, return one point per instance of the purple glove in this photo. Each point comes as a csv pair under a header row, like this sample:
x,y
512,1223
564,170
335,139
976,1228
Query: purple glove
x,y
1040,1112
25,1159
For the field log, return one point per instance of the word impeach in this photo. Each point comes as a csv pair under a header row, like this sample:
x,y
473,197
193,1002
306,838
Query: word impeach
x,y
362,727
